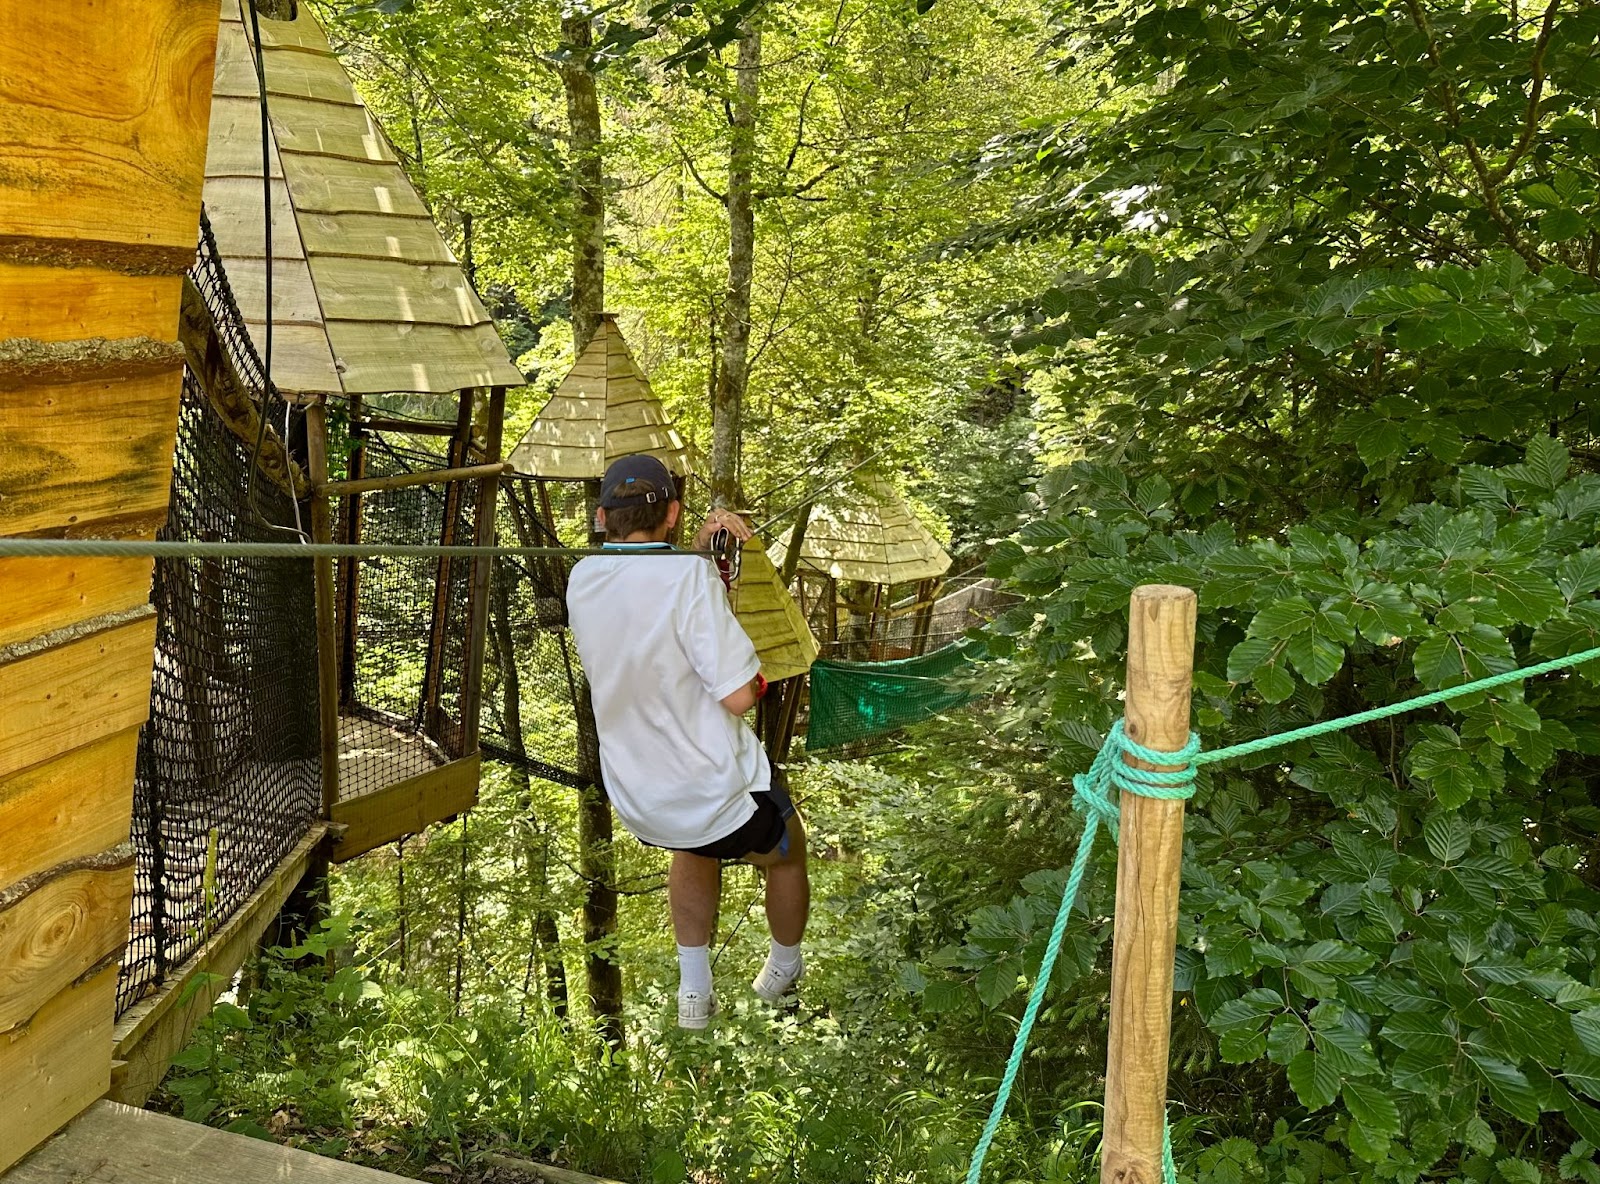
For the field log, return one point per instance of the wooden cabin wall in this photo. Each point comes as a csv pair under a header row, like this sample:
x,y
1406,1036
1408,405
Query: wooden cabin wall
x,y
103,118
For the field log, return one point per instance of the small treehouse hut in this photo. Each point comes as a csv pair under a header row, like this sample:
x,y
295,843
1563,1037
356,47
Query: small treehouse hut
x,y
368,304
868,572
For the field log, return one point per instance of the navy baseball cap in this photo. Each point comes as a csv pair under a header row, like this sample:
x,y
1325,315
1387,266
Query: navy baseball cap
x,y
636,480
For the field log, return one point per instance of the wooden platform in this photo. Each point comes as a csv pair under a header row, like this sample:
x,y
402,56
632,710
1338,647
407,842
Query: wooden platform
x,y
373,756
114,1144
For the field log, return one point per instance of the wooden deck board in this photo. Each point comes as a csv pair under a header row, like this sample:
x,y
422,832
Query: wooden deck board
x,y
115,1144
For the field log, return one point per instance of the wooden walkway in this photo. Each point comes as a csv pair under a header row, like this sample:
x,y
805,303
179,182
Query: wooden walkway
x,y
115,1144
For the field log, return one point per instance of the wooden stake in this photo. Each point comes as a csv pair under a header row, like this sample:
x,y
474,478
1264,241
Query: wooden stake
x,y
327,614
1149,866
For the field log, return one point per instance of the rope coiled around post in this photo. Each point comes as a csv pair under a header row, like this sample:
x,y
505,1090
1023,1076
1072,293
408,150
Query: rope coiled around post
x,y
1092,796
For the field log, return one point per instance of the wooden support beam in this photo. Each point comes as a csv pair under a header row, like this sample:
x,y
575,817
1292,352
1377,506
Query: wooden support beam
x,y
59,926
482,570
1161,623
52,1068
151,1033
91,457
377,423
406,808
75,693
44,595
433,723
327,613
64,809
403,480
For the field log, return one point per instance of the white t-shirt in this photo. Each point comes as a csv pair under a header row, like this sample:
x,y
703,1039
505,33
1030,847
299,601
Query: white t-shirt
x,y
662,648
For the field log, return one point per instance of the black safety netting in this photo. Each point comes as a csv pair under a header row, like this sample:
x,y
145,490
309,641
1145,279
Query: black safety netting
x,y
532,679
405,624
227,779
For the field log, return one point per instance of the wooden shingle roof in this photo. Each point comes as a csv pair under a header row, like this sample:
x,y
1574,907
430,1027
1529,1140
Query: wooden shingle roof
x,y
603,409
771,617
367,298
866,532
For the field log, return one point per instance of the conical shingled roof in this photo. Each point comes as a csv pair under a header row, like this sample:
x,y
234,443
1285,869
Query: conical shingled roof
x,y
603,409
867,533
367,298
771,617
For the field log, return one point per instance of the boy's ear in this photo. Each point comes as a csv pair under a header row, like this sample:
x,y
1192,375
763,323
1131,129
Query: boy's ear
x,y
600,517
674,508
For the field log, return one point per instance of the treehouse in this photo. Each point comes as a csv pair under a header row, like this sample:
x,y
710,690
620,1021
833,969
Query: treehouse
x,y
193,705
867,572
373,321
604,409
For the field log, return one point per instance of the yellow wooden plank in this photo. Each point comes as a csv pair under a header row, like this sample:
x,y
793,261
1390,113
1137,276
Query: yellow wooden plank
x,y
379,357
376,236
389,290
302,126
235,146
153,1030
308,76
55,1067
233,204
301,33
73,694
88,454
294,295
42,595
67,808
103,112
71,303
328,185
374,819
62,929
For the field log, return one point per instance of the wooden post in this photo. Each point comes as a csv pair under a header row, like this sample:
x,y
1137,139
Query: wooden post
x,y
478,605
350,569
433,673
1149,866
327,614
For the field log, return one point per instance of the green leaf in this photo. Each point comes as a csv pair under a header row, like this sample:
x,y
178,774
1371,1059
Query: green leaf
x,y
1334,957
1372,1108
1448,836
1519,1171
1548,461
1314,1081
1586,1027
1562,225
1508,1086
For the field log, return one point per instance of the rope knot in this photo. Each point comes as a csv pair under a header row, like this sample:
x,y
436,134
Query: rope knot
x,y
1092,791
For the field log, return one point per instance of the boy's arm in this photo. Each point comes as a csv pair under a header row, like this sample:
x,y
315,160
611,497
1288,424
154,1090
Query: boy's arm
x,y
717,646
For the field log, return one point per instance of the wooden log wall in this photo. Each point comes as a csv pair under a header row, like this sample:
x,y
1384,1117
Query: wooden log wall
x,y
103,118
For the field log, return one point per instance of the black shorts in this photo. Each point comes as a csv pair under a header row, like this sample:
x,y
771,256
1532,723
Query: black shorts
x,y
765,829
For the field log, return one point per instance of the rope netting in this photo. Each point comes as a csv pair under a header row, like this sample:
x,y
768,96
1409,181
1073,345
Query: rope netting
x,y
227,776
532,678
405,622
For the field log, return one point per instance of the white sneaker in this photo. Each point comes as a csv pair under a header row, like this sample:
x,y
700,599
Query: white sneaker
x,y
774,982
695,1010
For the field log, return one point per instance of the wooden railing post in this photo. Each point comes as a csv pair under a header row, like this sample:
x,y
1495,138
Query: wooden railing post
x,y
327,613
1161,623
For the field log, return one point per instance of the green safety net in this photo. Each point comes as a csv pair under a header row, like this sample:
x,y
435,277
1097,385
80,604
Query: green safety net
x,y
853,702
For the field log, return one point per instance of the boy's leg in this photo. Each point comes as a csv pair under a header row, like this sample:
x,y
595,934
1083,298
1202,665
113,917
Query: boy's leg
x,y
788,886
693,885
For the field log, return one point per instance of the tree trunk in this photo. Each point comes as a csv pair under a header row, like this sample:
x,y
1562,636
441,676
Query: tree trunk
x,y
734,374
598,866
546,935
588,179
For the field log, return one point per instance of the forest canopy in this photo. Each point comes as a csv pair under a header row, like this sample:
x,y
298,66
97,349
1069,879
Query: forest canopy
x,y
1296,305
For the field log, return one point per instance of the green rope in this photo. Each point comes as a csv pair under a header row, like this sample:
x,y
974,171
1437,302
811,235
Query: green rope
x,y
1431,699
1092,796
174,549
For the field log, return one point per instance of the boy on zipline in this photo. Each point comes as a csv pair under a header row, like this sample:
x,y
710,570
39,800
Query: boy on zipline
x,y
671,673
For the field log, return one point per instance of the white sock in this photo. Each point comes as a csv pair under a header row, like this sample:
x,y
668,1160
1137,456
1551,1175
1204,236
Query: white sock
x,y
694,970
784,957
